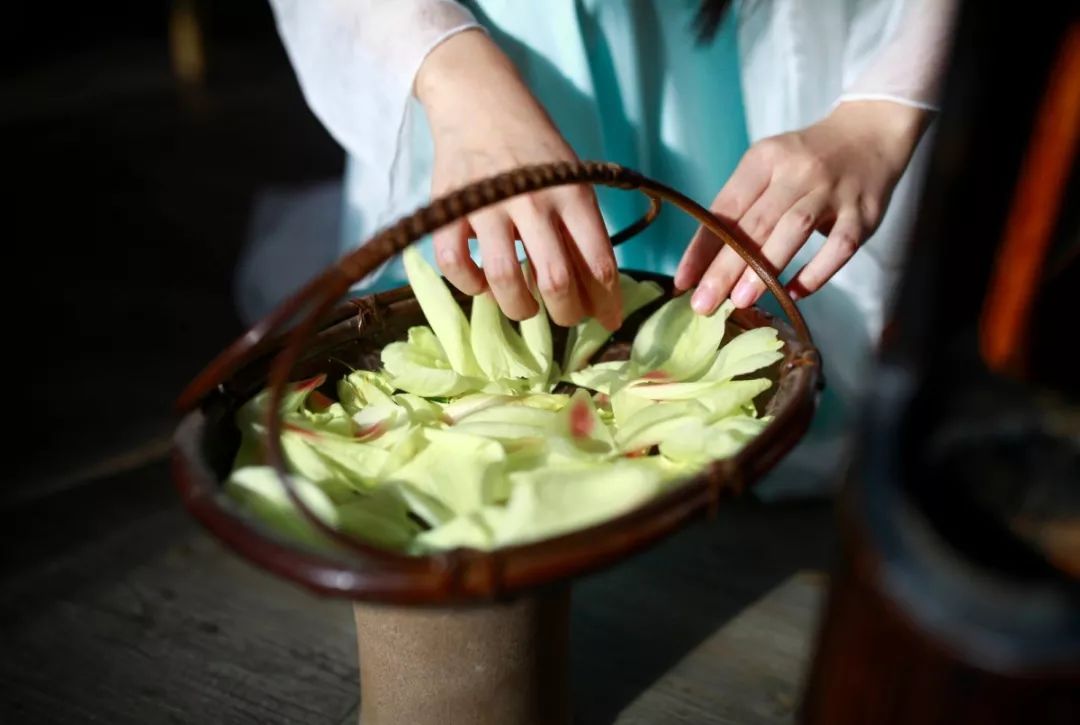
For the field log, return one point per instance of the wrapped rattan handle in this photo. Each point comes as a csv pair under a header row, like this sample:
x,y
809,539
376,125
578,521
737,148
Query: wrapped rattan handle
x,y
323,292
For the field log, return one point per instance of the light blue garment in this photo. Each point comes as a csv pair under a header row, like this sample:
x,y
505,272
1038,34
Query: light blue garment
x,y
624,82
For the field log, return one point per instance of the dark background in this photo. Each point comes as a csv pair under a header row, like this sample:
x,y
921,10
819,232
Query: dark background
x,y
131,195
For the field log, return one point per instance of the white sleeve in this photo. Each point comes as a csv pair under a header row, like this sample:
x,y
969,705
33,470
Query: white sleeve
x,y
356,61
897,51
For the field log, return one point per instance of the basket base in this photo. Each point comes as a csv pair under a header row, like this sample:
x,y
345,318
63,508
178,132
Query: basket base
x,y
503,663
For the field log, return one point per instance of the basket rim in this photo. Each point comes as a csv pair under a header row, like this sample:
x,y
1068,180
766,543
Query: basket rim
x,y
465,575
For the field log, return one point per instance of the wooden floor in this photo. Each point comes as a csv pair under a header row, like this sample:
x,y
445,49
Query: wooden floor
x,y
115,608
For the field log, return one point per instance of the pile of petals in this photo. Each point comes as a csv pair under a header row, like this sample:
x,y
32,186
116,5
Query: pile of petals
x,y
460,440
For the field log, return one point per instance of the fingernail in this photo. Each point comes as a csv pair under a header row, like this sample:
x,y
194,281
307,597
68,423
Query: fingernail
x,y
704,301
794,295
743,294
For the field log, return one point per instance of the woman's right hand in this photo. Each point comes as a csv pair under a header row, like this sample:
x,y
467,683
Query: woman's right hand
x,y
485,121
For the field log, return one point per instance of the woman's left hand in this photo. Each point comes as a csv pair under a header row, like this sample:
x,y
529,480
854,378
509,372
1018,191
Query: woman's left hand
x,y
835,176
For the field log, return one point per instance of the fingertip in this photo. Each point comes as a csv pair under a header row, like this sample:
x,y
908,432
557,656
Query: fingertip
x,y
606,306
612,321
699,254
704,301
527,312
683,281
797,290
606,274
460,271
471,284
744,294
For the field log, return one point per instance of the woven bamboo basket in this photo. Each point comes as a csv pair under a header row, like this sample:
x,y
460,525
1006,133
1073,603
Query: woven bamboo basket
x,y
519,594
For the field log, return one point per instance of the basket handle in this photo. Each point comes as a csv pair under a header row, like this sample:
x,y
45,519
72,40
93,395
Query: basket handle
x,y
324,291
319,296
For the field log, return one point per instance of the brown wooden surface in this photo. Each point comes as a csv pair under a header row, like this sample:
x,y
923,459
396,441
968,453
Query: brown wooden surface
x,y
116,608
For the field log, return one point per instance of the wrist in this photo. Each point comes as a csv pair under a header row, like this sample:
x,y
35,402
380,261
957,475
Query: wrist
x,y
457,66
894,128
